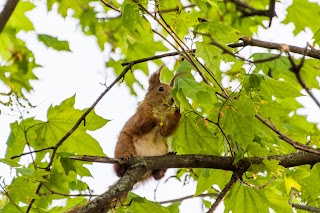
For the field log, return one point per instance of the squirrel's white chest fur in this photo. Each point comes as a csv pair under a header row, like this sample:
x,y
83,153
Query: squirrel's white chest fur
x,y
150,144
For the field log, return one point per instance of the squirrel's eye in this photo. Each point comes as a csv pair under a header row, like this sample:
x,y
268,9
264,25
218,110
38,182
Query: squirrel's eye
x,y
161,89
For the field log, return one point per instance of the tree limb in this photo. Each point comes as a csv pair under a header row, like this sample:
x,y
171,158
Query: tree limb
x,y
103,202
137,166
306,208
247,41
205,161
7,12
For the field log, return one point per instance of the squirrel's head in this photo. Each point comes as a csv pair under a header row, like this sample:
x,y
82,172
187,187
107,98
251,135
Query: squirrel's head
x,y
159,93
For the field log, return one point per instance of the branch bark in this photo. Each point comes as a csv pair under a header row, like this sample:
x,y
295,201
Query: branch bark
x,y
223,194
205,161
306,208
248,10
137,166
103,202
7,12
247,41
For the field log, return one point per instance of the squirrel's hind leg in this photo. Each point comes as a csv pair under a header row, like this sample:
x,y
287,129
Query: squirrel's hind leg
x,y
124,150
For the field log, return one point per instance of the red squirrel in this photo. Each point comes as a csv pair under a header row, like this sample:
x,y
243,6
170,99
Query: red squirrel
x,y
146,132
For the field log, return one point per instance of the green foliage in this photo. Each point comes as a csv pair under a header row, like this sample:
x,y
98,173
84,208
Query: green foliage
x,y
63,175
219,103
305,17
53,42
246,199
18,62
209,177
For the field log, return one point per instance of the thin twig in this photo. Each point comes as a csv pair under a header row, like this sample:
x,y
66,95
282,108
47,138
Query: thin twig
x,y
247,41
96,159
172,45
188,197
229,52
214,78
152,58
223,193
248,10
110,6
282,136
176,39
306,208
32,201
176,9
296,70
35,151
68,195
261,186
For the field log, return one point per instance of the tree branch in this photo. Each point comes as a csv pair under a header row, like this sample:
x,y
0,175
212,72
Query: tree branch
x,y
248,10
110,6
103,202
306,208
296,70
7,12
176,9
223,194
137,166
205,161
247,41
68,195
282,136
151,58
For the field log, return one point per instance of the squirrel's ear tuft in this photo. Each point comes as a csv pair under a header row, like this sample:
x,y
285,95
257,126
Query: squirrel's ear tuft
x,y
155,79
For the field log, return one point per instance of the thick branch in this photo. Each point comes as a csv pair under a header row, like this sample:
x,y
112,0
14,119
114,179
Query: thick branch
x,y
103,202
206,161
7,12
247,41
139,165
306,208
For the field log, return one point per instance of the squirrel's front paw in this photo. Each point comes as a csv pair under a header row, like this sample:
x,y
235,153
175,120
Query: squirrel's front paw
x,y
126,157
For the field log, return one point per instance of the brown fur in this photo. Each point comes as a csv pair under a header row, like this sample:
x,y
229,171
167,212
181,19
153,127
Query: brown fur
x,y
145,133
